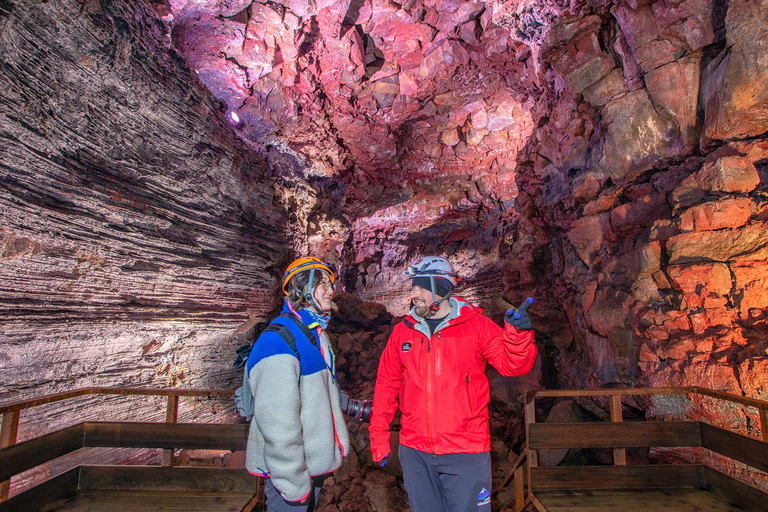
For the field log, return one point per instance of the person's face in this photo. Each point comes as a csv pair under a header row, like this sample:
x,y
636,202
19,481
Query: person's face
x,y
422,300
323,293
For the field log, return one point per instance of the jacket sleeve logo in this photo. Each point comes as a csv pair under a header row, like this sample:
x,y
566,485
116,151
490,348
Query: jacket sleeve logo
x,y
407,346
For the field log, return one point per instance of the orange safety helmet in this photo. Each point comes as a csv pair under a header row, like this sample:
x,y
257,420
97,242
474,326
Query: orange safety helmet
x,y
306,263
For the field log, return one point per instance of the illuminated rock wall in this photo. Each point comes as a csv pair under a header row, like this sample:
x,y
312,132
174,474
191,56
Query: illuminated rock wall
x,y
136,231
650,169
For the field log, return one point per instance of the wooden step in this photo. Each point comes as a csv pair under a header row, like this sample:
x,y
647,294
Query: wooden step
x,y
156,501
659,500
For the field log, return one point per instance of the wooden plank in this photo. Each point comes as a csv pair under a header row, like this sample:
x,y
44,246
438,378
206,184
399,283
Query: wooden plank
x,y
619,454
612,435
157,478
177,501
167,435
764,424
657,476
58,488
659,500
8,431
741,448
530,419
682,390
519,489
734,492
47,399
171,416
28,454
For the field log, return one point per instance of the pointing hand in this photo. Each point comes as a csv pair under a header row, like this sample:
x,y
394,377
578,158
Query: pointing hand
x,y
519,317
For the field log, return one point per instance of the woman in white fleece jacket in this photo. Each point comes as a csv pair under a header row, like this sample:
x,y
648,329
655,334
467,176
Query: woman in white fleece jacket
x,y
297,434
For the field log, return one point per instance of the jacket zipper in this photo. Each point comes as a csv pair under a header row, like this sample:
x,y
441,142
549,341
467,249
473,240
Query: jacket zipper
x,y
469,396
439,370
429,397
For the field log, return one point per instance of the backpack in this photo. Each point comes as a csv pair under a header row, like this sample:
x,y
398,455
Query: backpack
x,y
244,401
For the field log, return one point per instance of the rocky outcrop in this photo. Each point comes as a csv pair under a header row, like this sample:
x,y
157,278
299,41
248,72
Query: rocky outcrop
x,y
656,198
137,231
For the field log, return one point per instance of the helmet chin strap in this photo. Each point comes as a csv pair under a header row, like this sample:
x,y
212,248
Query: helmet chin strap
x,y
308,295
435,303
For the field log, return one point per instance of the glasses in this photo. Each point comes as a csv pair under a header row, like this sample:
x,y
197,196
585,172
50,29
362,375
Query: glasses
x,y
325,283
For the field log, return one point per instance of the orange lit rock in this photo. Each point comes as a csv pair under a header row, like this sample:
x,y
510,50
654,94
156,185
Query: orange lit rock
x,y
727,213
734,93
749,242
702,278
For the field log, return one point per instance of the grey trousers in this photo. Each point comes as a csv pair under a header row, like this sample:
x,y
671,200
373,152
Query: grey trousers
x,y
276,503
457,482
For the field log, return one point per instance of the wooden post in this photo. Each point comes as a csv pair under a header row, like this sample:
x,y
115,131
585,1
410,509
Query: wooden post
x,y
171,416
530,417
619,454
764,423
519,489
533,455
8,431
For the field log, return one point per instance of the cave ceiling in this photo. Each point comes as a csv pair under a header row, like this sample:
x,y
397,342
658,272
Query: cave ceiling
x,y
402,115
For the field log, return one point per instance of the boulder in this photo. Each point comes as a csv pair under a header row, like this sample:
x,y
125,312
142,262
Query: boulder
x,y
749,242
733,91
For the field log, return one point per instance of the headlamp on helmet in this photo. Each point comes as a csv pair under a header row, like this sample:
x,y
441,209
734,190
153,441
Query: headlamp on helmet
x,y
432,266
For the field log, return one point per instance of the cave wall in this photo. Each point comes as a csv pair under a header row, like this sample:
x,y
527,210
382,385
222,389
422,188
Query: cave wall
x,y
645,185
137,232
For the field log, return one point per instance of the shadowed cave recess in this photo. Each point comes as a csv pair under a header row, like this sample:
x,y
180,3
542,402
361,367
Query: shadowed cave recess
x,y
161,163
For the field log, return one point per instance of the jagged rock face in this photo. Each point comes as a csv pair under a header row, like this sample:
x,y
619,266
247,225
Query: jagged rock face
x,y
409,118
137,231
650,166
633,129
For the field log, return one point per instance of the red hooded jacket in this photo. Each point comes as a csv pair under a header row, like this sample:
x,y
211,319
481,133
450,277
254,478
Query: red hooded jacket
x,y
440,382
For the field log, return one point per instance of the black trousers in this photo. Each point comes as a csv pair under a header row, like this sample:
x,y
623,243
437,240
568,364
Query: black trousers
x,y
456,482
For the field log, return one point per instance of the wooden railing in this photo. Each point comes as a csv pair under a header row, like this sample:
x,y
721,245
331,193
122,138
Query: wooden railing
x,y
11,412
615,396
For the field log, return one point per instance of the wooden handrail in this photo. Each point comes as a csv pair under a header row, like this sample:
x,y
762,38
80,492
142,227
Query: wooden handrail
x,y
169,392
10,411
615,395
682,390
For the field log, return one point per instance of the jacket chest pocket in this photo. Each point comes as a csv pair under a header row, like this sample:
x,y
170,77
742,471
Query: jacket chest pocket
x,y
455,356
413,355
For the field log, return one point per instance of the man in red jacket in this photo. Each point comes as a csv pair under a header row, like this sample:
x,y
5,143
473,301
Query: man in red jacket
x,y
433,367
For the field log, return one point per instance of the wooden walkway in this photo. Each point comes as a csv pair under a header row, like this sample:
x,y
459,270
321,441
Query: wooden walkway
x,y
660,500
154,501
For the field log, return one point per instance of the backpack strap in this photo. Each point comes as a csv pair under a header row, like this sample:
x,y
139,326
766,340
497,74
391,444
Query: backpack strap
x,y
244,351
287,336
301,325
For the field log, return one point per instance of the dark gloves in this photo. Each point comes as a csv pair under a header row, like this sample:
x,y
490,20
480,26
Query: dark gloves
x,y
519,317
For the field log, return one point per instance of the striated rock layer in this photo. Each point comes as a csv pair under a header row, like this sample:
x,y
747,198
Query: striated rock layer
x,y
137,232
